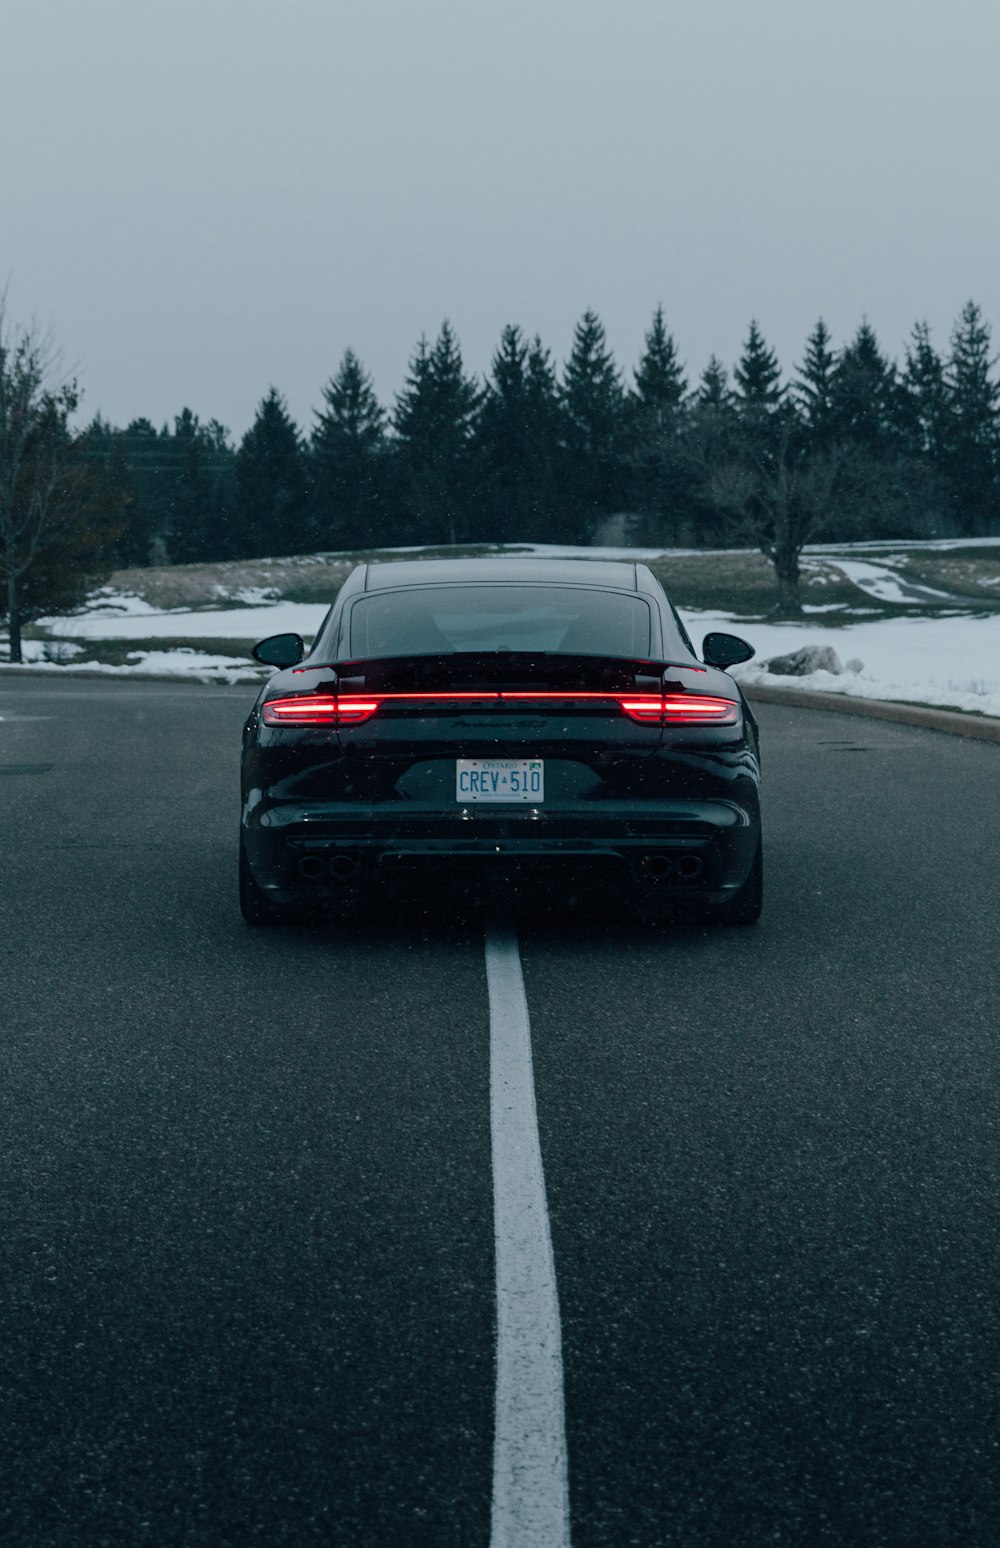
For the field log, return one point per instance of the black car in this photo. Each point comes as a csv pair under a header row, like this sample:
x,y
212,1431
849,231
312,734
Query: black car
x,y
501,712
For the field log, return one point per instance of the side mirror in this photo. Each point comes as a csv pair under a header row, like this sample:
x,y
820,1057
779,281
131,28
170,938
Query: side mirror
x,y
725,650
279,650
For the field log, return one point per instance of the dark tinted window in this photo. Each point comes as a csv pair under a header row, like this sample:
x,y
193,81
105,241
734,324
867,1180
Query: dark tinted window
x,y
436,620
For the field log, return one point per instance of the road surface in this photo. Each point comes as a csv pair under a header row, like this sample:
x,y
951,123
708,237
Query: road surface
x,y
250,1178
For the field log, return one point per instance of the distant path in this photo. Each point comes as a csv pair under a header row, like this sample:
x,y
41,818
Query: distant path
x,y
887,585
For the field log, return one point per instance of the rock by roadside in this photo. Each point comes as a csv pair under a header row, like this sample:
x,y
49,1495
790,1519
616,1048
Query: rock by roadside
x,y
802,662
810,658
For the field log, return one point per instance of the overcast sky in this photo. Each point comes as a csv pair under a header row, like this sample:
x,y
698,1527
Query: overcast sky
x,y
207,197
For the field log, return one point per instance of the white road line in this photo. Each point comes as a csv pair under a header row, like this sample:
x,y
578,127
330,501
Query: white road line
x,y
530,1480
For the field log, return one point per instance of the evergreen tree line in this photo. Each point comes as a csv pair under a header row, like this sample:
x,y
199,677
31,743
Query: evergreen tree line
x,y
851,445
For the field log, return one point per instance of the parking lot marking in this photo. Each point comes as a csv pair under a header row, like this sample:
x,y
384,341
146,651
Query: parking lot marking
x,y
530,1479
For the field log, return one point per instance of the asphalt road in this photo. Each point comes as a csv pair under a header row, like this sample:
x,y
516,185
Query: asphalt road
x,y
246,1229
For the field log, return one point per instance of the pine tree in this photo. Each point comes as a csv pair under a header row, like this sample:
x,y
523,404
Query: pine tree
x,y
413,415
271,484
594,401
520,445
149,469
201,490
433,419
552,512
759,393
813,391
764,412
923,405
972,456
544,403
349,462
503,440
102,447
714,392
506,386
709,431
865,396
660,483
660,387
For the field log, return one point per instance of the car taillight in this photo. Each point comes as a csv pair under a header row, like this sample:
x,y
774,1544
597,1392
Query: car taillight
x,y
351,712
318,710
680,709
651,709
698,709
647,708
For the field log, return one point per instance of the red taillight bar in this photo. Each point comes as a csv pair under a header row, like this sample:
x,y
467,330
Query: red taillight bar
x,y
646,708
698,709
318,710
680,709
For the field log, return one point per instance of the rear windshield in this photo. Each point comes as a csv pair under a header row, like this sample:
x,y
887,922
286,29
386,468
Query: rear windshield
x,y
439,620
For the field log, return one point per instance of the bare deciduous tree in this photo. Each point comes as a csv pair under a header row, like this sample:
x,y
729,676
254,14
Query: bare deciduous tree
x,y
37,496
778,499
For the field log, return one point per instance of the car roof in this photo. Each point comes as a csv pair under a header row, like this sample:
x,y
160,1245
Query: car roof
x,y
503,569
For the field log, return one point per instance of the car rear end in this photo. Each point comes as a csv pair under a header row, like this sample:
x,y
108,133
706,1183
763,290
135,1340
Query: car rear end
x,y
578,763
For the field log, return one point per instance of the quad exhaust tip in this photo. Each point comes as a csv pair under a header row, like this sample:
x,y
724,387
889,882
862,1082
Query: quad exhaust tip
x,y
312,868
664,867
338,868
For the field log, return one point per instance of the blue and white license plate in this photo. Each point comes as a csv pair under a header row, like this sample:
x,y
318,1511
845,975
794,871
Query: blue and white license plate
x,y
499,780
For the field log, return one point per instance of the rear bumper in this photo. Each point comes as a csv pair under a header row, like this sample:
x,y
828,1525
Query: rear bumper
x,y
703,848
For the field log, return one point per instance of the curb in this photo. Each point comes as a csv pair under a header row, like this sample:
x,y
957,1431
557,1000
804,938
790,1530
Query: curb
x,y
981,727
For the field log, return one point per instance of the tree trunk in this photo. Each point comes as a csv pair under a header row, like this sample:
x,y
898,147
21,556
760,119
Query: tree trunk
x,y
785,558
13,615
789,602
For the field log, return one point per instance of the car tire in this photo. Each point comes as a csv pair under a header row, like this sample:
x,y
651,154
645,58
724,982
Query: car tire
x,y
745,907
255,906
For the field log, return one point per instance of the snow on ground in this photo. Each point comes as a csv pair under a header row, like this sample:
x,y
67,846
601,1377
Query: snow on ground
x,y
194,665
231,623
889,545
953,662
106,602
247,596
125,617
882,582
611,551
947,659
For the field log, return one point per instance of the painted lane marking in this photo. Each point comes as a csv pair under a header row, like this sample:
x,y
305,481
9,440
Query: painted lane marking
x,y
530,1477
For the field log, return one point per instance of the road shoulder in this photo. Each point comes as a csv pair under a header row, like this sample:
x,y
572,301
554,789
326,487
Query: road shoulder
x,y
982,727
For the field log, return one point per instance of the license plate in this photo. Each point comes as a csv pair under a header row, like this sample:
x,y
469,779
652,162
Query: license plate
x,y
499,780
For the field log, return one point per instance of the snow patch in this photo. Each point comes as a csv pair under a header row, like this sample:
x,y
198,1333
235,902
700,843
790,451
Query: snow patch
x,y
877,581
949,660
229,623
107,602
248,596
192,665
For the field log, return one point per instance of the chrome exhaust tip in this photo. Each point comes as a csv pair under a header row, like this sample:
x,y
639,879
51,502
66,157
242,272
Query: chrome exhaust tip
x,y
344,868
311,868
